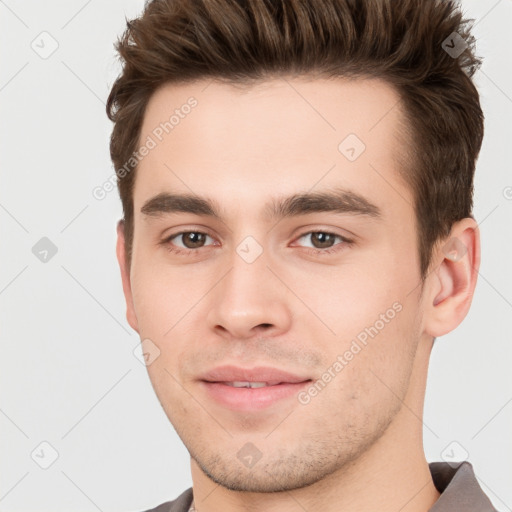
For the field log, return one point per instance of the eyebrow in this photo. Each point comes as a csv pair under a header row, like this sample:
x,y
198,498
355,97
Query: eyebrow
x,y
337,201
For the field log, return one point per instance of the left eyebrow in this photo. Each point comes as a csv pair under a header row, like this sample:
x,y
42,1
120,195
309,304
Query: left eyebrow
x,y
337,201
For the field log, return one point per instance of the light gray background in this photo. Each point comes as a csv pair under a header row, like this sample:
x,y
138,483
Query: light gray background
x,y
68,374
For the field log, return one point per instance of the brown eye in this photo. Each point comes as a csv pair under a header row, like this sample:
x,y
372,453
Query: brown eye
x,y
322,240
187,240
325,242
193,239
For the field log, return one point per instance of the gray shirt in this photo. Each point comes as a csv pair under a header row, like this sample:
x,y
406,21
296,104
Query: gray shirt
x,y
459,488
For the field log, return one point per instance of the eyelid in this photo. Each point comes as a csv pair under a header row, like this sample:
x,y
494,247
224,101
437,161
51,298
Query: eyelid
x,y
187,229
321,228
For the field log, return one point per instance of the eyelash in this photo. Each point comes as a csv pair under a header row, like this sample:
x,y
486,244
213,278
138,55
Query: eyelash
x,y
190,252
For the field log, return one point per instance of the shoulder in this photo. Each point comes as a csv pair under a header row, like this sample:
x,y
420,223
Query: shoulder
x,y
180,504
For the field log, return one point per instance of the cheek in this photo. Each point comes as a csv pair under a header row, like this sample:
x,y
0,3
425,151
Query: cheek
x,y
377,332
351,300
167,303
160,297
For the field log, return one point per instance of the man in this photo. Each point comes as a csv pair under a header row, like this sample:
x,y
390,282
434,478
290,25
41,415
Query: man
x,y
296,180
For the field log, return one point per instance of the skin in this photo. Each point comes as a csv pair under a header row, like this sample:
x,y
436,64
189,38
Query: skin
x,y
357,445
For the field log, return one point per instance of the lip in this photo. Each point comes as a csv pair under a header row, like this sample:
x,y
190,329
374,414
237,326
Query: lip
x,y
281,385
271,376
251,399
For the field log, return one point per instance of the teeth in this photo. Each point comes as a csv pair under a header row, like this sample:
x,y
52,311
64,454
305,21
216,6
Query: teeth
x,y
242,384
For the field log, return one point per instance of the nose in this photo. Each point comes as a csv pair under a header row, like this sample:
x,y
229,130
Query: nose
x,y
249,301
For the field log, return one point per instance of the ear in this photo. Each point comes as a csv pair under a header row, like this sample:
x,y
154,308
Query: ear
x,y
125,276
451,284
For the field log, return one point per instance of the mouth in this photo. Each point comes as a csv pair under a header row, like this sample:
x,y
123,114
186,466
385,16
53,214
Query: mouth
x,y
250,384
254,389
252,396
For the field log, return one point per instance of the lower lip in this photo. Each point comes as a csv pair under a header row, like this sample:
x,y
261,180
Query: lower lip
x,y
251,399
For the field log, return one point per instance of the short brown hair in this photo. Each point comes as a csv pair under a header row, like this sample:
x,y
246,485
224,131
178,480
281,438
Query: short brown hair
x,y
404,42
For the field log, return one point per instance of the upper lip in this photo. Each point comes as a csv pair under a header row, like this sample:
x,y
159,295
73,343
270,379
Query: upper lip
x,y
271,376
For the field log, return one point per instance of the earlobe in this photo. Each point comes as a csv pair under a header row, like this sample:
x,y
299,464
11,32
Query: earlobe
x,y
125,276
452,283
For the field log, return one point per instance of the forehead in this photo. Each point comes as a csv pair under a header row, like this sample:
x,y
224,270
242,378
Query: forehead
x,y
334,107
285,133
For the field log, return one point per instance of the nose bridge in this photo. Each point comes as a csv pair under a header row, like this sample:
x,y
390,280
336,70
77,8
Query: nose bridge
x,y
248,274
249,294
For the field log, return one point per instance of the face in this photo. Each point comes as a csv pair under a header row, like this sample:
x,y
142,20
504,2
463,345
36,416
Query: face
x,y
301,257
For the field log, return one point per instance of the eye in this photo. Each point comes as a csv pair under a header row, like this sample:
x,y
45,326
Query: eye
x,y
324,241
189,241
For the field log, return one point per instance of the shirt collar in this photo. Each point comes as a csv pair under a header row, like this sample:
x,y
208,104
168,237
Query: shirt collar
x,y
459,488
